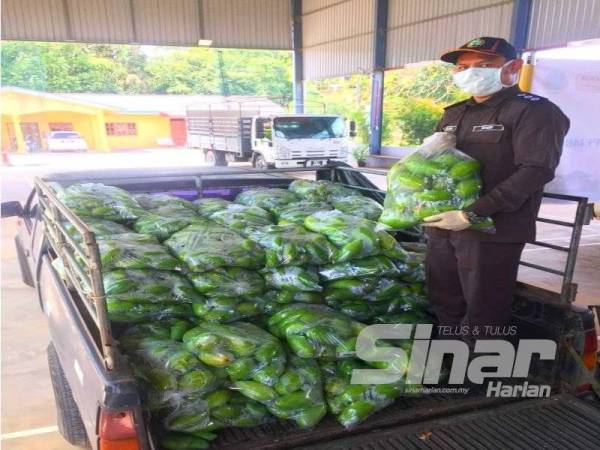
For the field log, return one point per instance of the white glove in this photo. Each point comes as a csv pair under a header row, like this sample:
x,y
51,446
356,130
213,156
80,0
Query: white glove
x,y
451,220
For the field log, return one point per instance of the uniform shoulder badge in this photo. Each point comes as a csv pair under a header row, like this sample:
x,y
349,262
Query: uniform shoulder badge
x,y
531,98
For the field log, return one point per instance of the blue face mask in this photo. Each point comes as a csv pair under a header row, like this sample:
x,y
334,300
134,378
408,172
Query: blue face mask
x,y
480,81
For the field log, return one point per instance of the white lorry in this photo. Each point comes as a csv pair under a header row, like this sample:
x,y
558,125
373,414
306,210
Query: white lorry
x,y
267,137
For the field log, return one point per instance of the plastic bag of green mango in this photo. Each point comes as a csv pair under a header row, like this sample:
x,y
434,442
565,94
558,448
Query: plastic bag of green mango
x,y
266,198
292,245
374,266
368,289
242,218
125,311
435,178
296,396
228,282
170,369
298,211
102,201
351,404
243,350
359,206
148,286
316,331
206,246
222,408
100,227
286,296
134,251
411,271
207,206
355,237
163,222
293,278
227,309
309,190
154,201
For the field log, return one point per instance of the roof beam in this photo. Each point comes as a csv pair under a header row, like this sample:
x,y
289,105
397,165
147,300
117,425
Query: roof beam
x,y
377,78
296,10
519,25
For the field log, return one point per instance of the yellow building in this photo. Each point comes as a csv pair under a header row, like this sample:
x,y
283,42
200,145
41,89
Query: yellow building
x,y
106,121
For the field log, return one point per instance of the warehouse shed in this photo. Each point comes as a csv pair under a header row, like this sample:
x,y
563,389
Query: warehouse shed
x,y
328,37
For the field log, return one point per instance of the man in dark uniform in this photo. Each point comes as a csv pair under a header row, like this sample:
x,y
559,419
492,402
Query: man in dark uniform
x,y
517,137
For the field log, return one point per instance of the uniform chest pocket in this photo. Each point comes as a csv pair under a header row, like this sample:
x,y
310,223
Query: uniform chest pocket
x,y
486,134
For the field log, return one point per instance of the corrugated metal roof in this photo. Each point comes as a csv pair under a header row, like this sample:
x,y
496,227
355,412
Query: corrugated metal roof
x,y
34,20
171,105
228,23
425,32
312,5
338,39
348,56
556,22
170,22
107,20
260,23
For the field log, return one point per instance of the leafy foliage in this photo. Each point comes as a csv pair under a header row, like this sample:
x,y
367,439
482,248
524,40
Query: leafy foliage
x,y
59,67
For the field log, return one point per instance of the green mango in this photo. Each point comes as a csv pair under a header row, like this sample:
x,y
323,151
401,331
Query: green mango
x,y
218,398
256,391
293,401
289,382
446,160
410,182
468,188
301,346
465,169
355,392
423,167
217,359
196,379
178,329
356,412
226,412
309,417
434,195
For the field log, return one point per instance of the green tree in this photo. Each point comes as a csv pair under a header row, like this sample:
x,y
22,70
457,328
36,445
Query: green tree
x,y
190,71
60,68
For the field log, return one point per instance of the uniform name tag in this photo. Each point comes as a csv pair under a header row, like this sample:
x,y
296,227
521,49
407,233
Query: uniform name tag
x,y
449,128
496,127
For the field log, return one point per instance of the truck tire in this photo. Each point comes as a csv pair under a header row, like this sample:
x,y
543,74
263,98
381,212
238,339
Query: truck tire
x,y
260,163
215,158
68,417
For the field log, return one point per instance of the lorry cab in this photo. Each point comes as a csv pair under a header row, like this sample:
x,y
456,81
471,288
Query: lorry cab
x,y
300,140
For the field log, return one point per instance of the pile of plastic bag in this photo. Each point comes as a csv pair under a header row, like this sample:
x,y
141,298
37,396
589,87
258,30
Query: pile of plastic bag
x,y
248,311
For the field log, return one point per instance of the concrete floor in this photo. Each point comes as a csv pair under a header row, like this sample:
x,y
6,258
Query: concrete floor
x,y
28,414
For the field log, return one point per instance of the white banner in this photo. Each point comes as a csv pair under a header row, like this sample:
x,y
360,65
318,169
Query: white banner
x,y
574,85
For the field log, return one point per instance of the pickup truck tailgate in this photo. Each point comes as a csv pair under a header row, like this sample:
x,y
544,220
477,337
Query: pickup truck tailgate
x,y
559,422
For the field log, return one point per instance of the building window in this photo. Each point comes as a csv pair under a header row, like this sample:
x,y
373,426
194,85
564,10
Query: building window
x,y
60,126
121,129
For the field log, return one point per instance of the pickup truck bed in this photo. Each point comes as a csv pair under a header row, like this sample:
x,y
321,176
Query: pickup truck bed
x,y
459,421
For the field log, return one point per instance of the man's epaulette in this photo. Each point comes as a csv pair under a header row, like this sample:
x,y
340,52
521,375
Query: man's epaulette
x,y
531,98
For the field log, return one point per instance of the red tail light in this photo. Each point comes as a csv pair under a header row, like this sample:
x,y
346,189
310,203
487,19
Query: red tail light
x,y
117,431
590,350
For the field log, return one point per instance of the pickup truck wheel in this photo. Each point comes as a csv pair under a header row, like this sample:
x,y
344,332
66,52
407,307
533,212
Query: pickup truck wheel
x,y
261,163
215,158
69,420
